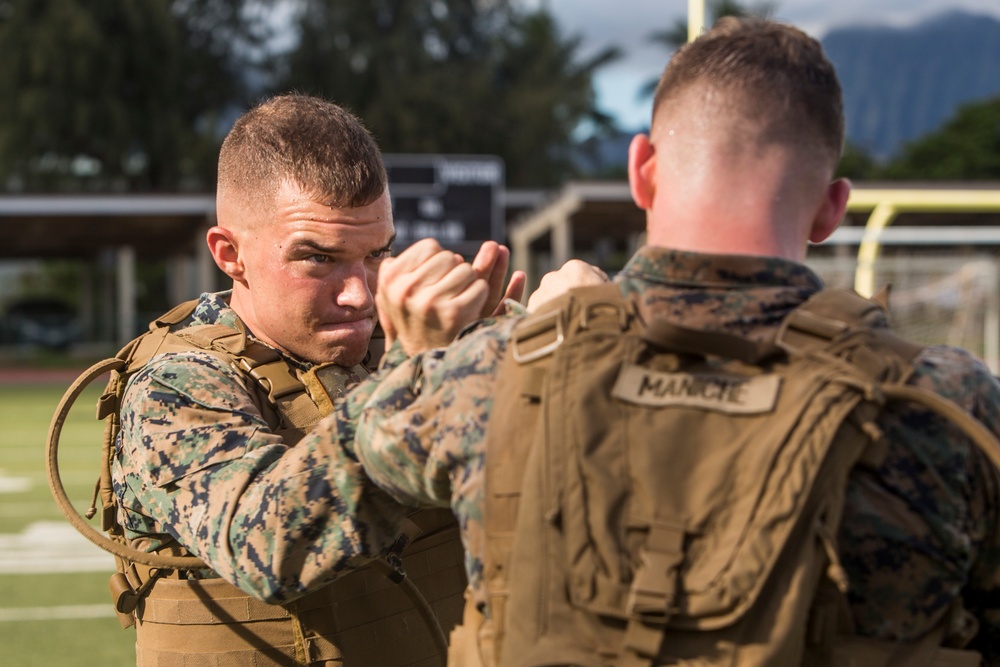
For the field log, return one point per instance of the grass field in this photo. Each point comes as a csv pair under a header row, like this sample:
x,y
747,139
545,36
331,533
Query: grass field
x,y
55,608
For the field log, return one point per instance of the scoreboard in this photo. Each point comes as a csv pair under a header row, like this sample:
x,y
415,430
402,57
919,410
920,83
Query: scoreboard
x,y
455,199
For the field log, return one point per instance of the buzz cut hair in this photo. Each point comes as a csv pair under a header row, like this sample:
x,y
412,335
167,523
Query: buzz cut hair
x,y
313,143
778,72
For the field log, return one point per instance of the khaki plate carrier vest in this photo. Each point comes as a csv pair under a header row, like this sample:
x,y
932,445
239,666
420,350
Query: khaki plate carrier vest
x,y
393,613
663,496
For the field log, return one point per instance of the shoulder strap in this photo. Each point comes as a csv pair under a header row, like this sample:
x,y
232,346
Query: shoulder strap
x,y
175,315
837,315
282,397
833,313
520,387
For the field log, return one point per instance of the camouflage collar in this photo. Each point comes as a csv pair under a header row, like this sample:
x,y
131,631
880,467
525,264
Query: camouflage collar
x,y
679,268
213,308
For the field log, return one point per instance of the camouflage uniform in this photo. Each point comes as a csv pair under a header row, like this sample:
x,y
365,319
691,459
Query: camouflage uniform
x,y
918,532
196,461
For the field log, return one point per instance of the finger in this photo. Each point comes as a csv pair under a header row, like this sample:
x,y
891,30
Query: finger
x,y
416,254
402,278
467,305
448,286
486,258
495,280
435,268
515,290
386,317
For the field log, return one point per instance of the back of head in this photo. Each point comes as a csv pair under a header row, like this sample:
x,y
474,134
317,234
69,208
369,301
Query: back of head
x,y
315,144
771,80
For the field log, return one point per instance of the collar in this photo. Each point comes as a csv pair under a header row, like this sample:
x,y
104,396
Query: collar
x,y
680,268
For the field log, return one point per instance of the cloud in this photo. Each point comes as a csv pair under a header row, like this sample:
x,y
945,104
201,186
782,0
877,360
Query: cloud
x,y
627,24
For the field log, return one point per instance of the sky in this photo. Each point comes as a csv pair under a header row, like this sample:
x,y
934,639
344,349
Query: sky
x,y
627,24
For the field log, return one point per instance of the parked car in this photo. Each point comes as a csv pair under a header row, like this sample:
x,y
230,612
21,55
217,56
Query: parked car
x,y
41,321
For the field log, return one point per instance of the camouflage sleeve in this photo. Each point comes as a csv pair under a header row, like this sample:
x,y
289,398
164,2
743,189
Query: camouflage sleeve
x,y
393,357
421,434
197,460
923,529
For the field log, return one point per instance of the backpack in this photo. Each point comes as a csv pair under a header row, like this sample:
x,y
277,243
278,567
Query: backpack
x,y
659,495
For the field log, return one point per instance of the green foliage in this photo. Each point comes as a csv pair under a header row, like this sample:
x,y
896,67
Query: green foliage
x,y
965,148
452,76
123,95
856,163
135,95
675,36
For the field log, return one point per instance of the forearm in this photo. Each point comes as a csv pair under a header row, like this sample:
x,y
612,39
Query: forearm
x,y
421,436
272,519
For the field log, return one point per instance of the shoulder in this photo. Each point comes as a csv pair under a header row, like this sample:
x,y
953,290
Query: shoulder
x,y
936,444
956,374
192,377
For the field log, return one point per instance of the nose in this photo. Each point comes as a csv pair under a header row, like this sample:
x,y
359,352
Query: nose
x,y
357,288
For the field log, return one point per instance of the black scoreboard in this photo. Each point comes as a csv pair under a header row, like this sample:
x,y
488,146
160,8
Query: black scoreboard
x,y
455,199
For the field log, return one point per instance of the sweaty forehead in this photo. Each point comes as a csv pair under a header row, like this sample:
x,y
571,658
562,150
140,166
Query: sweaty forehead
x,y
370,226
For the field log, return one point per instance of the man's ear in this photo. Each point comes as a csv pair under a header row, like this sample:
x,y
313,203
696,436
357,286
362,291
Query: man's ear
x,y
831,211
642,171
226,253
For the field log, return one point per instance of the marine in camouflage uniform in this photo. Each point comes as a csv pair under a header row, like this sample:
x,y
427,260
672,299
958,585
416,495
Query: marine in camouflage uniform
x,y
737,176
196,461
919,532
211,461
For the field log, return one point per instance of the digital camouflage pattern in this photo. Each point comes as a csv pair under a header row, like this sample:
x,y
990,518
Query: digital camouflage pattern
x,y
196,461
918,532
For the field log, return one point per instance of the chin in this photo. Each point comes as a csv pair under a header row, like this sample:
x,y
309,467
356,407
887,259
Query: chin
x,y
342,348
342,355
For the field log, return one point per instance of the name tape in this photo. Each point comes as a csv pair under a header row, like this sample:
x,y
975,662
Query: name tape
x,y
733,394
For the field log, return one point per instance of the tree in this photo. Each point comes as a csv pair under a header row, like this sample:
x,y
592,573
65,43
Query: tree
x,y
856,163
677,35
966,148
123,95
452,76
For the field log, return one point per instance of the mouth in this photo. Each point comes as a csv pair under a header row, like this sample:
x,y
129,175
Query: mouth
x,y
363,324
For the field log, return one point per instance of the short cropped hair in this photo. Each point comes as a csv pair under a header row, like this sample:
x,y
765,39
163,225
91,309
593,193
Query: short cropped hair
x,y
314,143
778,71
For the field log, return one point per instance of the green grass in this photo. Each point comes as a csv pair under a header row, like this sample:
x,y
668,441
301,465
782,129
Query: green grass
x,y
25,412
98,642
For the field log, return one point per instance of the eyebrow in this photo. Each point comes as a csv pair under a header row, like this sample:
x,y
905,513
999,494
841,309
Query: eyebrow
x,y
310,244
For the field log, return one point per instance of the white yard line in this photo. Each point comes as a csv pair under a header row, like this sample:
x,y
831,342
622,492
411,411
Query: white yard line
x,y
64,613
47,547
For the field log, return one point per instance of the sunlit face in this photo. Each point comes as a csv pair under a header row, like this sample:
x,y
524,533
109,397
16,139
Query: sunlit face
x,y
310,273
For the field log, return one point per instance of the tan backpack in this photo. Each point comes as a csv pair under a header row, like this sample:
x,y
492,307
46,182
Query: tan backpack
x,y
657,495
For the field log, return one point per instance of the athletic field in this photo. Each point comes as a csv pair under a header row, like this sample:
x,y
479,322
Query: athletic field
x,y
55,608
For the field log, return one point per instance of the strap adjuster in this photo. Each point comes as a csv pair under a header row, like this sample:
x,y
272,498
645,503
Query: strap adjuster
x,y
545,323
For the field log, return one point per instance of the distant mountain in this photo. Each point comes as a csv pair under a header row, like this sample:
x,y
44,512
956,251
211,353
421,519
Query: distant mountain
x,y
901,84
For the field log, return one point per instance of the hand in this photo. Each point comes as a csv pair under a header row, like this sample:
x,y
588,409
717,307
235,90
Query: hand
x,y
491,264
574,273
426,295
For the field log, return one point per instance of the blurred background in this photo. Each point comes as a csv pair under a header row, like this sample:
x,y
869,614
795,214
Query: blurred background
x,y
489,112
499,119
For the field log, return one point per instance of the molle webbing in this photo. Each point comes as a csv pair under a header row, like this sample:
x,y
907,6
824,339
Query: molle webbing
x,y
620,552
373,616
361,619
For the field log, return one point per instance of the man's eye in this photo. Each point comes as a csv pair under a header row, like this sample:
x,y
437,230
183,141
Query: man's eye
x,y
381,254
319,259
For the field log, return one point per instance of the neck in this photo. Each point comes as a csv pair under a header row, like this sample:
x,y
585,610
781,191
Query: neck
x,y
723,205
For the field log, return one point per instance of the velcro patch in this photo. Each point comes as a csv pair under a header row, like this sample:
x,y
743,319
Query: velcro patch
x,y
733,394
